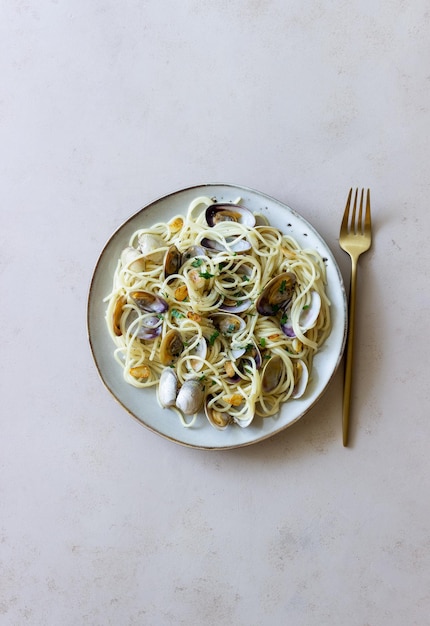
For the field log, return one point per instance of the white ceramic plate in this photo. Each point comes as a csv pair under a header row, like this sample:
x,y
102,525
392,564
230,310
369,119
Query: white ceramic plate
x,y
142,403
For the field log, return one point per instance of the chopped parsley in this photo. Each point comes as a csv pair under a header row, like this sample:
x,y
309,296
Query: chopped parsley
x,y
263,342
206,275
283,286
176,313
213,337
306,307
197,262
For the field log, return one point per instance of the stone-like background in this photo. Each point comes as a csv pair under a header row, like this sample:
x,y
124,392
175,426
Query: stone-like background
x,y
107,105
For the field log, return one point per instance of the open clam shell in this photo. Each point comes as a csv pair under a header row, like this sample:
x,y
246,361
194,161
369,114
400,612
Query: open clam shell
x,y
200,350
240,306
216,418
172,261
272,374
216,213
171,347
132,259
307,319
149,245
235,244
301,378
228,324
276,294
149,302
151,327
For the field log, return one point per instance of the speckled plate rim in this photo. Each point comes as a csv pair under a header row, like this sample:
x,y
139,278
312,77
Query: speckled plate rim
x,y
142,404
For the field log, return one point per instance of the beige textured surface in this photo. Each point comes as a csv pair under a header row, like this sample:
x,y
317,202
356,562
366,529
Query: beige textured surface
x,y
105,106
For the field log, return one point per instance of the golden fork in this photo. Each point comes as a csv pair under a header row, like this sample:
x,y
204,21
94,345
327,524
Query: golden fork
x,y
355,238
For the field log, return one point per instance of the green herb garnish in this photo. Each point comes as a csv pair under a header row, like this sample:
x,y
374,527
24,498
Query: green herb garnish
x,y
206,275
176,313
213,337
197,262
263,342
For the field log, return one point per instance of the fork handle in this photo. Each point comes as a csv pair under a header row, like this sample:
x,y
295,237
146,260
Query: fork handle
x,y
349,353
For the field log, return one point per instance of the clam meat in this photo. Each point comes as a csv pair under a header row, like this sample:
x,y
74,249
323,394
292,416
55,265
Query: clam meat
x,y
171,347
228,324
216,418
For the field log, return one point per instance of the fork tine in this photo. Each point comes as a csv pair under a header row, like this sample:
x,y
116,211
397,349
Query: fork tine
x,y
345,218
353,225
367,219
359,228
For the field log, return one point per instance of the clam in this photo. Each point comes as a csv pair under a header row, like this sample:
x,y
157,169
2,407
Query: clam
x,y
218,419
216,213
235,306
192,252
307,319
149,246
117,314
150,302
235,244
190,397
132,259
301,378
252,352
245,419
272,374
171,347
243,356
167,387
172,261
277,294
228,324
200,350
150,327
